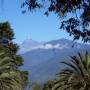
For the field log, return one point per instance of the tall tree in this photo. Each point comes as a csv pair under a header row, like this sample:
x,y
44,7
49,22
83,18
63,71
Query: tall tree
x,y
11,49
77,25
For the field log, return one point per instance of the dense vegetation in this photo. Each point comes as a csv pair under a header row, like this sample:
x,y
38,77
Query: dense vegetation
x,y
11,78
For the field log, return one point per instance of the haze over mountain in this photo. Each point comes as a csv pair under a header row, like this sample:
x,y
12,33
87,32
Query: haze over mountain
x,y
42,60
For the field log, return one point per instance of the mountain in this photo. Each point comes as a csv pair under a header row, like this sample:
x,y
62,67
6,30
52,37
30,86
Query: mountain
x,y
28,45
43,60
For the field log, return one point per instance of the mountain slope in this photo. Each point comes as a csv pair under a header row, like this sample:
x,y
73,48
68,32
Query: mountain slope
x,y
28,45
43,63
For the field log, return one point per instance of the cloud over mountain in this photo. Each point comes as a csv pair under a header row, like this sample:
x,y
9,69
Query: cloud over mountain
x,y
30,44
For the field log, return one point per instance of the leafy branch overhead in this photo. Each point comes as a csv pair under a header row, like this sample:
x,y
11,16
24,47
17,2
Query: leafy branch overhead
x,y
77,11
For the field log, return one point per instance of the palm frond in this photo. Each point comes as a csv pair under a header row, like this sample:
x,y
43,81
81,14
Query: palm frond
x,y
77,76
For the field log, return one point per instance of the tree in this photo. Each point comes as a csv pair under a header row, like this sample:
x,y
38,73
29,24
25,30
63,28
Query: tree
x,y
11,49
77,24
48,85
76,76
8,79
36,86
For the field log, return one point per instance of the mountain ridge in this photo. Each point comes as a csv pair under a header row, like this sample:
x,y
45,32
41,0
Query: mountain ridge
x,y
29,44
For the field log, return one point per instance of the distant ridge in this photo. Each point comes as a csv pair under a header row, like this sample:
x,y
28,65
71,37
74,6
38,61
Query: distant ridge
x,y
29,44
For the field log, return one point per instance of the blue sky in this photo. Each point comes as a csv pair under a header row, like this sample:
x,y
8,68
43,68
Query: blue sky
x,y
30,25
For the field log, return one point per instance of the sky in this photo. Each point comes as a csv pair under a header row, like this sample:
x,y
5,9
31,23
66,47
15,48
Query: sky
x,y
34,26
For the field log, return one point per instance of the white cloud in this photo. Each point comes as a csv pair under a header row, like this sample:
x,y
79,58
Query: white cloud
x,y
43,46
50,46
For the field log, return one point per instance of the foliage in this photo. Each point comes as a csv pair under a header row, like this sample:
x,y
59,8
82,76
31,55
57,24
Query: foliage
x,y
48,85
76,76
36,86
9,79
77,22
10,50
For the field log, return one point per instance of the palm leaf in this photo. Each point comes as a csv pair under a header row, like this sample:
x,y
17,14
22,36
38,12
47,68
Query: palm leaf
x,y
77,76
